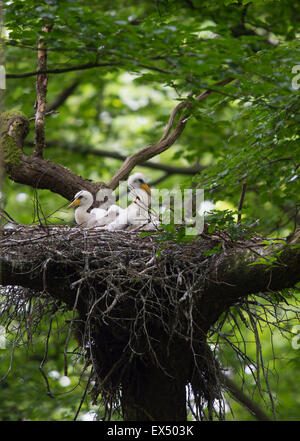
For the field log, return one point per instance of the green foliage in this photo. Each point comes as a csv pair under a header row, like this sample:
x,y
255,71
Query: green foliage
x,y
24,391
277,369
11,153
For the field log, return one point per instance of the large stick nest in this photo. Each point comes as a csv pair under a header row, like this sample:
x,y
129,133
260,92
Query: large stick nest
x,y
135,301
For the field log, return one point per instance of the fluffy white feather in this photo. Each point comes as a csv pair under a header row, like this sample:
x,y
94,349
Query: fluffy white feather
x,y
136,215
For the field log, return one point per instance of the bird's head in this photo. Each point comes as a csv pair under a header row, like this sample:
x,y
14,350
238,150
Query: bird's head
x,y
138,180
82,198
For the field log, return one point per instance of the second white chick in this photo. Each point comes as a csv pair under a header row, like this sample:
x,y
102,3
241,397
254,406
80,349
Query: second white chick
x,y
137,212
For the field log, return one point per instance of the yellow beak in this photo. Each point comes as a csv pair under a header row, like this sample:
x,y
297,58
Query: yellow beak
x,y
146,188
75,203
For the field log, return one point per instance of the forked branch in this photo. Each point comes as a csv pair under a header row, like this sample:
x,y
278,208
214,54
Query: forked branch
x,y
167,140
39,173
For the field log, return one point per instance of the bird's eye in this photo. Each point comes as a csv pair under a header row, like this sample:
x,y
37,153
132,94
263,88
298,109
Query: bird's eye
x,y
140,181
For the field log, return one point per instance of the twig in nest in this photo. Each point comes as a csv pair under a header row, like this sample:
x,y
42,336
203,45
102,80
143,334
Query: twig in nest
x,y
4,215
241,202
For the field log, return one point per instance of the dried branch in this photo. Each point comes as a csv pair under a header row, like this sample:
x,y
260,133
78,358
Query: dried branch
x,y
49,393
167,140
63,70
242,398
39,173
41,94
81,149
63,96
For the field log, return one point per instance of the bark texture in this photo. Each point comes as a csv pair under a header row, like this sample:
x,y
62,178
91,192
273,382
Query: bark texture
x,y
32,169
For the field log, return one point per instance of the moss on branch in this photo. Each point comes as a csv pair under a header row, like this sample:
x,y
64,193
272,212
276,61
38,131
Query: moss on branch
x,y
31,169
14,127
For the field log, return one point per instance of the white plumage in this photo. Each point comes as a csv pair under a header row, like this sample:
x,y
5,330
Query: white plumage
x,y
136,215
109,216
83,200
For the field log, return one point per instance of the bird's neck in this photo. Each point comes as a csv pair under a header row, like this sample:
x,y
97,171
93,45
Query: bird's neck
x,y
81,214
141,197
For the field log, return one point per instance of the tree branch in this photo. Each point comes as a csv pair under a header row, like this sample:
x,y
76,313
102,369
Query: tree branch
x,y
244,400
41,94
63,96
244,272
39,173
33,170
167,140
63,70
81,149
82,67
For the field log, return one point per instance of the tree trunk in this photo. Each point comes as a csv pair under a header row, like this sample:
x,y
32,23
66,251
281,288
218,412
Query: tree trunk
x,y
153,395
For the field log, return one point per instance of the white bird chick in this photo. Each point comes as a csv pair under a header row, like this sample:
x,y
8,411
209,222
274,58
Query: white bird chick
x,y
137,212
143,220
137,184
83,200
95,215
105,198
108,210
109,216
206,207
